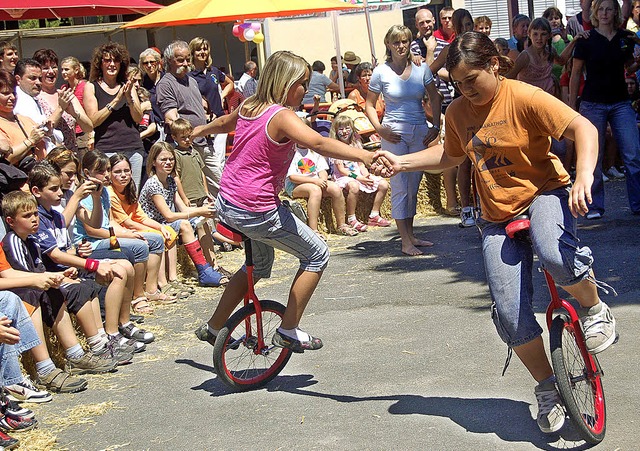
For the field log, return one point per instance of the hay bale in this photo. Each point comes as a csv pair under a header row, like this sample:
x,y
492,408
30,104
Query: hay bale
x,y
430,198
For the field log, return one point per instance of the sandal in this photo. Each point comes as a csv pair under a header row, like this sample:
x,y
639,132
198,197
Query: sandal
x,y
59,381
357,225
320,235
141,306
175,291
224,272
177,284
347,230
160,298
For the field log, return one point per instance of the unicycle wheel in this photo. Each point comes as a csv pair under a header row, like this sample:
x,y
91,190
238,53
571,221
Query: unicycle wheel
x,y
238,361
579,381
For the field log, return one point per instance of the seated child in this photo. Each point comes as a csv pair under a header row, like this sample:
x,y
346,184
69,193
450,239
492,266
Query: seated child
x,y
50,305
94,222
354,177
58,255
160,201
17,335
308,177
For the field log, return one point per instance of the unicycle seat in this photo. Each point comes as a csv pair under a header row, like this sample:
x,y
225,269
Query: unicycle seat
x,y
231,233
517,225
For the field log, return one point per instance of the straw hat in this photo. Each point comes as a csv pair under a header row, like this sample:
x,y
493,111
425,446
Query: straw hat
x,y
351,58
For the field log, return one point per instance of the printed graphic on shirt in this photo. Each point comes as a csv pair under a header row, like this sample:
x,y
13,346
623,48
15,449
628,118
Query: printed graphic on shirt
x,y
306,166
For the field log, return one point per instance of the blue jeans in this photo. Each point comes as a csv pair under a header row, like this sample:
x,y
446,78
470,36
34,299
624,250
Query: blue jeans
x,y
404,186
509,263
623,126
277,228
140,248
11,307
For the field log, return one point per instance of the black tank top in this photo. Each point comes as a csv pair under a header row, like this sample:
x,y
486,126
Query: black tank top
x,y
119,131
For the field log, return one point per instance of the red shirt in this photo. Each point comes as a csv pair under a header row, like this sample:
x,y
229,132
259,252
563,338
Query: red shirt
x,y
438,34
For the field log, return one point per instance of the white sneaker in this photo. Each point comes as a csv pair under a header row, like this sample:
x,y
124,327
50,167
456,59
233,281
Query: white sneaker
x,y
25,391
599,328
551,413
467,218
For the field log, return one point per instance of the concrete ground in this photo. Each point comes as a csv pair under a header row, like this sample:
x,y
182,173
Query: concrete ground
x,y
411,360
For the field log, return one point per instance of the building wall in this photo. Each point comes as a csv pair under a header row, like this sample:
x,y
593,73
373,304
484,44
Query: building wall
x,y
312,38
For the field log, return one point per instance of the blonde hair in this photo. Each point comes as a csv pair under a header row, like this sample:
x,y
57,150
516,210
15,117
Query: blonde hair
x,y
196,44
181,125
16,202
341,121
396,33
156,150
617,18
282,70
82,72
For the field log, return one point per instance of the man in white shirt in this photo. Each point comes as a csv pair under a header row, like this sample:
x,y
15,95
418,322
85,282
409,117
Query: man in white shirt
x,y
28,75
247,84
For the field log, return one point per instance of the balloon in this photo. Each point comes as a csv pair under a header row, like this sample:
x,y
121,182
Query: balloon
x,y
249,34
245,25
258,38
255,26
241,37
236,30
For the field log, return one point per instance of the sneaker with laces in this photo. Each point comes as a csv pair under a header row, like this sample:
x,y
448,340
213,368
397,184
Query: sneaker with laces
x,y
128,344
599,327
551,413
112,351
378,221
26,391
17,423
141,335
284,341
357,225
7,442
90,364
467,218
12,408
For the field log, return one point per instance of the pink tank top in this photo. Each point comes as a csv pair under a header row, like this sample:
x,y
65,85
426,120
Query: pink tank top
x,y
255,171
538,75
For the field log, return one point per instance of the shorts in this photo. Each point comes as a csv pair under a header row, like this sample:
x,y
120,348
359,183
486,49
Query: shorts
x,y
77,294
50,302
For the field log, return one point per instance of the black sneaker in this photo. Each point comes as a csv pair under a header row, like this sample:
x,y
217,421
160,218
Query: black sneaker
x,y
12,408
7,442
204,334
141,335
284,341
10,423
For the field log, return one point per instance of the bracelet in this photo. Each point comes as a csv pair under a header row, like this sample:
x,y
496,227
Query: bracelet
x,y
353,175
109,107
91,265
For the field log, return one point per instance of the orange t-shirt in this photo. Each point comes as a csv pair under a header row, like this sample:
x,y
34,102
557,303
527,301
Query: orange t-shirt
x,y
357,97
508,141
13,133
4,264
121,210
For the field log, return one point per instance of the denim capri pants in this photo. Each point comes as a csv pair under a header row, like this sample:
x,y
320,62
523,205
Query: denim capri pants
x,y
141,249
277,228
11,306
509,263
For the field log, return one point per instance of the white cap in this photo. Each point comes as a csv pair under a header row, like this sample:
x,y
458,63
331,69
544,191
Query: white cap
x,y
571,12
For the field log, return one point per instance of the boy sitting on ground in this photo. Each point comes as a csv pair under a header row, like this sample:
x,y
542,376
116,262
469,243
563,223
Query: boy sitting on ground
x,y
58,255
50,305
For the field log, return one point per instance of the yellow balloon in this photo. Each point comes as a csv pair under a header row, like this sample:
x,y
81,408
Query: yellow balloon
x,y
258,38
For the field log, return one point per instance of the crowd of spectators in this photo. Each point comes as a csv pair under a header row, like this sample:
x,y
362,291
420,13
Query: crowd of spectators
x,y
101,175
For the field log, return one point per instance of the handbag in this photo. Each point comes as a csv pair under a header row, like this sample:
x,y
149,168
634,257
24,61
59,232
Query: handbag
x,y
11,177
